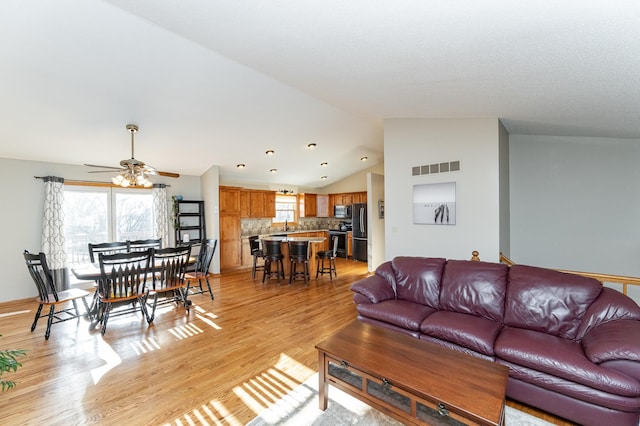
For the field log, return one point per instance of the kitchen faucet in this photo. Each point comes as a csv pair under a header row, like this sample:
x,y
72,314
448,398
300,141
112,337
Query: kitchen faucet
x,y
286,227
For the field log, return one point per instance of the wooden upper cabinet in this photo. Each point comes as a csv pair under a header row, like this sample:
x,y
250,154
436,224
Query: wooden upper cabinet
x,y
307,204
270,204
257,203
244,203
322,205
360,197
229,199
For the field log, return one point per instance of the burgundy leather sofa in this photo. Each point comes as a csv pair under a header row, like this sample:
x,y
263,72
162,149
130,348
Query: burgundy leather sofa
x,y
572,346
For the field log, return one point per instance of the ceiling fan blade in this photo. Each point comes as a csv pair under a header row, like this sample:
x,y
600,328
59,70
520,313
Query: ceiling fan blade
x,y
168,174
103,171
103,167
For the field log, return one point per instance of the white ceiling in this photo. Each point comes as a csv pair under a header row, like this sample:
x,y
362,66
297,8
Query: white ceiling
x,y
220,82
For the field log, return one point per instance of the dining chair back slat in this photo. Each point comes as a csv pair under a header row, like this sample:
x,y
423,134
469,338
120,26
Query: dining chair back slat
x,y
123,280
169,266
107,248
142,245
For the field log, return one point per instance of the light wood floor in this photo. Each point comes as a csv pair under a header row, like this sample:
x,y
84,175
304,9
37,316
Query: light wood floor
x,y
219,365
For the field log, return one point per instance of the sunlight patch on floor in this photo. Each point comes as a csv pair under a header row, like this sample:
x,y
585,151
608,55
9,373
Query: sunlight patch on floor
x,y
271,385
144,346
109,356
207,317
213,413
9,314
185,331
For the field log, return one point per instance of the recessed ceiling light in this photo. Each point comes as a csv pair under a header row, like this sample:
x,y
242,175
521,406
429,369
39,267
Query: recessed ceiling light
x,y
324,164
273,170
311,145
240,166
270,152
364,158
323,177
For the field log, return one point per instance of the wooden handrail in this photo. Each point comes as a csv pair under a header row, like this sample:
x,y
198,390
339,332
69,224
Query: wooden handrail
x,y
603,278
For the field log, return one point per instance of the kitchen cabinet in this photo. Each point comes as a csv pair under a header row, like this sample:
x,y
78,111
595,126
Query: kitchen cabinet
x,y
322,205
230,249
229,199
359,197
270,204
349,244
307,205
257,203
246,256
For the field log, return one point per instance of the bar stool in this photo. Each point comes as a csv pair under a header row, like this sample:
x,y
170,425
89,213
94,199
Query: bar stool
x,y
272,254
257,254
329,255
299,253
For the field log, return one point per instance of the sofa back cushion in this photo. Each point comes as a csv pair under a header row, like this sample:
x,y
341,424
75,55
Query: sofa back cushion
x,y
611,305
548,301
418,279
475,288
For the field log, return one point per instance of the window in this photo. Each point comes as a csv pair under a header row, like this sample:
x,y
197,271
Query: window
x,y
285,209
94,214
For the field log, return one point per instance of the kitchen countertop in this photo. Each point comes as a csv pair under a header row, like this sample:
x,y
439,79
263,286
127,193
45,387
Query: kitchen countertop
x,y
299,231
287,239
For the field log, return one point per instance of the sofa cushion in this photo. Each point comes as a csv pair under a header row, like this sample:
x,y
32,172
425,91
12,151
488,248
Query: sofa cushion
x,y
475,333
549,301
610,305
615,340
455,347
418,279
561,358
474,288
397,312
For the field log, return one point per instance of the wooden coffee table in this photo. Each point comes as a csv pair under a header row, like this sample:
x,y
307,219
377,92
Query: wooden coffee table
x,y
411,380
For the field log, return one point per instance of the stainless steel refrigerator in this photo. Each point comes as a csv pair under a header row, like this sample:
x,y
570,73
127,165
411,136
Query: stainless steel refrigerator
x,y
359,222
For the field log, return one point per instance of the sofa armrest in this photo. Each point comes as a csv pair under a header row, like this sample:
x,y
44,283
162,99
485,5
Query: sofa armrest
x,y
375,288
614,340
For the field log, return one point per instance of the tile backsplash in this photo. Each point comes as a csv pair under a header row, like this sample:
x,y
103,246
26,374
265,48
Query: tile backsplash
x,y
263,226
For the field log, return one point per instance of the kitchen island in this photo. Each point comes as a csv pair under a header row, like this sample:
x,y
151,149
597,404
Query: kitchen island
x,y
316,244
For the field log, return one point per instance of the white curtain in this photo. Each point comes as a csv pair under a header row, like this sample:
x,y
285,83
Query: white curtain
x,y
161,217
53,230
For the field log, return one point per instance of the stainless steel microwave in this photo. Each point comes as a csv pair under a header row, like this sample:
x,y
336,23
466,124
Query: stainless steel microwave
x,y
342,212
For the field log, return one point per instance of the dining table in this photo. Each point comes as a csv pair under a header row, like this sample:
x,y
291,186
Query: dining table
x,y
91,271
316,244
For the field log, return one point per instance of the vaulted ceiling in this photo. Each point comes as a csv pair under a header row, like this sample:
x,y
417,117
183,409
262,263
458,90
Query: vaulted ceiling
x,y
220,82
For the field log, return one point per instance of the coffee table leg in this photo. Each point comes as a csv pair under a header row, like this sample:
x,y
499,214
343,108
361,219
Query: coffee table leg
x,y
323,386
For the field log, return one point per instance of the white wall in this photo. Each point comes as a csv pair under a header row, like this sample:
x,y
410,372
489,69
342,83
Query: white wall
x,y
210,182
357,182
505,201
375,231
21,215
575,203
414,142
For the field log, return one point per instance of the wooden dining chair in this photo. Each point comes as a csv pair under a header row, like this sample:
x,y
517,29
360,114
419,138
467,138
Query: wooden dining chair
x,y
169,268
142,245
123,282
49,296
106,248
201,270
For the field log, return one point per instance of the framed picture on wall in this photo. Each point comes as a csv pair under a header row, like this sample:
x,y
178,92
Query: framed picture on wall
x,y
434,204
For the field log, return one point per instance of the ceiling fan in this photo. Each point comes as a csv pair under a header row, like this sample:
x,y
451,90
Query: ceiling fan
x,y
132,172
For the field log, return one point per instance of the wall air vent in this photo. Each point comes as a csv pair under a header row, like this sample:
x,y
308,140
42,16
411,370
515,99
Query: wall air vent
x,y
427,169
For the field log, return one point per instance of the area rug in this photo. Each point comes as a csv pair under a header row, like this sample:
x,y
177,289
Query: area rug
x,y
300,408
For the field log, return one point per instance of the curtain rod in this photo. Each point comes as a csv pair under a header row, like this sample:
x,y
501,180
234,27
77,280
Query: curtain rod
x,y
94,183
